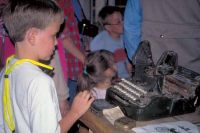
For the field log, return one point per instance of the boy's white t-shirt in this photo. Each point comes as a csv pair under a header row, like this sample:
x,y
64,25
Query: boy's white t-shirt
x,y
34,101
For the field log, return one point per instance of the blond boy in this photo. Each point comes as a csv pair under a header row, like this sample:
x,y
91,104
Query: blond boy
x,y
32,25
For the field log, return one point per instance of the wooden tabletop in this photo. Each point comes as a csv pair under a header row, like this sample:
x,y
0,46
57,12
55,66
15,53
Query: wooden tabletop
x,y
99,124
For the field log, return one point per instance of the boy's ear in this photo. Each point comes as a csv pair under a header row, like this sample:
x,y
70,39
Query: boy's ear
x,y
31,35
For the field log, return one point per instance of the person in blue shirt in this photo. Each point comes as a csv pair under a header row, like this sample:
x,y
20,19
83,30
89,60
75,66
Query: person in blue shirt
x,y
111,39
132,26
167,25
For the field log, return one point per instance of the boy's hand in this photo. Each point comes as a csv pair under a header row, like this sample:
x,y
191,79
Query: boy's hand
x,y
82,102
79,106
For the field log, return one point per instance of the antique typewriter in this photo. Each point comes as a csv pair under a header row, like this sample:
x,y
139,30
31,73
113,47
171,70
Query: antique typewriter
x,y
156,91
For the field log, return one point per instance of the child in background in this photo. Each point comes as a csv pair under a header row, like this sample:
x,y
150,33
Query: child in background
x,y
111,39
98,73
30,103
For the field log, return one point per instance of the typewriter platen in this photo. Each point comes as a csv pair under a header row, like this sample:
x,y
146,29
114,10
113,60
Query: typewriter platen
x,y
156,91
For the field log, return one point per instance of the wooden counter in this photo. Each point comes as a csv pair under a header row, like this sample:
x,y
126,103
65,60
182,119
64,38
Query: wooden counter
x,y
99,124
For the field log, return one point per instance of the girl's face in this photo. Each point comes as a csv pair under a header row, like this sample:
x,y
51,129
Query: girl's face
x,y
111,72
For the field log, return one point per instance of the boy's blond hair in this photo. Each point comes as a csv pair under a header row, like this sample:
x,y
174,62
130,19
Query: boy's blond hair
x,y
21,15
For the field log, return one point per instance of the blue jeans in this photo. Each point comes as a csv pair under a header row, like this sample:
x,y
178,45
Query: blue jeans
x,y
72,84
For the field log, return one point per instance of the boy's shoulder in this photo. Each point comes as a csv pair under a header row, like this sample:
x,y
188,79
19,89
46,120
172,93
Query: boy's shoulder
x,y
28,71
28,75
101,35
99,41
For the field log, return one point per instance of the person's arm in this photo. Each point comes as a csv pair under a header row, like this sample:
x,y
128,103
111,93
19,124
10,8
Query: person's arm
x,y
60,83
68,44
80,105
64,107
132,26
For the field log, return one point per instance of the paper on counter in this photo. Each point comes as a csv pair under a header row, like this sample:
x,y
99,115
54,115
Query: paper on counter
x,y
169,127
113,114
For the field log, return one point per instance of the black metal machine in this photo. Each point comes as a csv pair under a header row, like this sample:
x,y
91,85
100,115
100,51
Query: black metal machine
x,y
156,91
